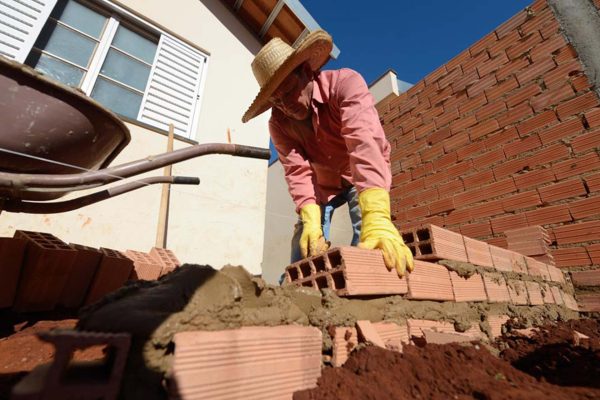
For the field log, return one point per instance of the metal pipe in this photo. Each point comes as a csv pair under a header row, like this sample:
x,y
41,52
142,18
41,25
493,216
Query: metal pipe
x,y
108,175
20,206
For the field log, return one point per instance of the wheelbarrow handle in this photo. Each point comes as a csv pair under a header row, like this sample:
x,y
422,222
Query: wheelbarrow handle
x,y
111,174
31,207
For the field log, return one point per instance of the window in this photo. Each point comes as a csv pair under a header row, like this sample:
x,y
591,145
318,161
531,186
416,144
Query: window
x,y
132,68
71,43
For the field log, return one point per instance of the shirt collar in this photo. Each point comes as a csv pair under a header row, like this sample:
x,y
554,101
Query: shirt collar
x,y
317,96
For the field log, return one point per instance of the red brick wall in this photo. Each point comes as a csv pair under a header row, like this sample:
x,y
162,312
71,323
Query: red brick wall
x,y
504,135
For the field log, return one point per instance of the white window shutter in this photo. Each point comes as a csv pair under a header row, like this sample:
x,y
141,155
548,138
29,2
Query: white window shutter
x,y
20,24
173,88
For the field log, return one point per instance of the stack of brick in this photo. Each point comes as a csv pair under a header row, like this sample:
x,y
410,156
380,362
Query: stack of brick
x,y
41,272
246,363
495,275
503,136
145,267
166,258
498,275
533,241
47,264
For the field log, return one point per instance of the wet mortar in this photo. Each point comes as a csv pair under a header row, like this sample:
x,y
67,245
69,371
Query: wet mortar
x,y
196,297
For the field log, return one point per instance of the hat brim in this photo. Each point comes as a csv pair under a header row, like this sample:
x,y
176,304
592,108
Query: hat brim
x,y
315,49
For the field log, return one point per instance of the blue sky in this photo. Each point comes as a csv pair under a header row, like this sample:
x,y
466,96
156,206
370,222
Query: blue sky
x,y
411,37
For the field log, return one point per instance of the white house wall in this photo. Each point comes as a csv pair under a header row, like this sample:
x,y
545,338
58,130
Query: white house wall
x,y
222,220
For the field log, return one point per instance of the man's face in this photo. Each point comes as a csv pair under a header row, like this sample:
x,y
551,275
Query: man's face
x,y
294,94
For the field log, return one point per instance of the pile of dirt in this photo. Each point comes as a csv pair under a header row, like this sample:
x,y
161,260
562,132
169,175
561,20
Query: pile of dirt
x,y
470,371
557,354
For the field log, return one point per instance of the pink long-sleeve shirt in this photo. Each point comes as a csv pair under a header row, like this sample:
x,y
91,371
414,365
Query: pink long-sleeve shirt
x,y
344,143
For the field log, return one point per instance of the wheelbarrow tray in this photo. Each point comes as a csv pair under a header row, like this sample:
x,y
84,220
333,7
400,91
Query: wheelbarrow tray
x,y
48,120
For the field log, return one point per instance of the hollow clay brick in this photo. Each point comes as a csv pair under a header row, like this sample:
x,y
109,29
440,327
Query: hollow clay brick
x,y
469,289
368,333
569,301
586,278
12,253
430,282
517,292
167,258
537,268
534,247
495,288
519,264
435,243
594,252
557,295
572,256
502,258
350,271
547,295
344,341
46,267
478,252
393,335
416,327
84,267
250,362
556,274
526,233
144,267
113,271
589,302
496,322
535,293
51,381
546,259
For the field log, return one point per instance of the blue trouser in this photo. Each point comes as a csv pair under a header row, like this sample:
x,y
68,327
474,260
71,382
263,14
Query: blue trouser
x,y
350,196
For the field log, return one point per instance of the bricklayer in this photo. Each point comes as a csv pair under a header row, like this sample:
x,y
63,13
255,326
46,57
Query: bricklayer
x,y
250,362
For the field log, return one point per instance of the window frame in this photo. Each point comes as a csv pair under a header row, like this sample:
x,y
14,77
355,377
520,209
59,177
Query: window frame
x,y
117,16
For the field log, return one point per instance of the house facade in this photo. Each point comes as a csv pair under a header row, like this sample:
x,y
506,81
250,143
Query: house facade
x,y
156,63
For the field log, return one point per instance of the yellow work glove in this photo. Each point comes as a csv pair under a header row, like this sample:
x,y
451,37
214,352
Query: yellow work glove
x,y
312,242
378,232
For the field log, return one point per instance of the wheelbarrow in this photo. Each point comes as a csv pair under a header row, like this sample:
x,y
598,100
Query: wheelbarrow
x,y
56,140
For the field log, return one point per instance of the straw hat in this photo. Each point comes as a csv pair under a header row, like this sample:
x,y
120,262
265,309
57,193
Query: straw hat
x,y
276,60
